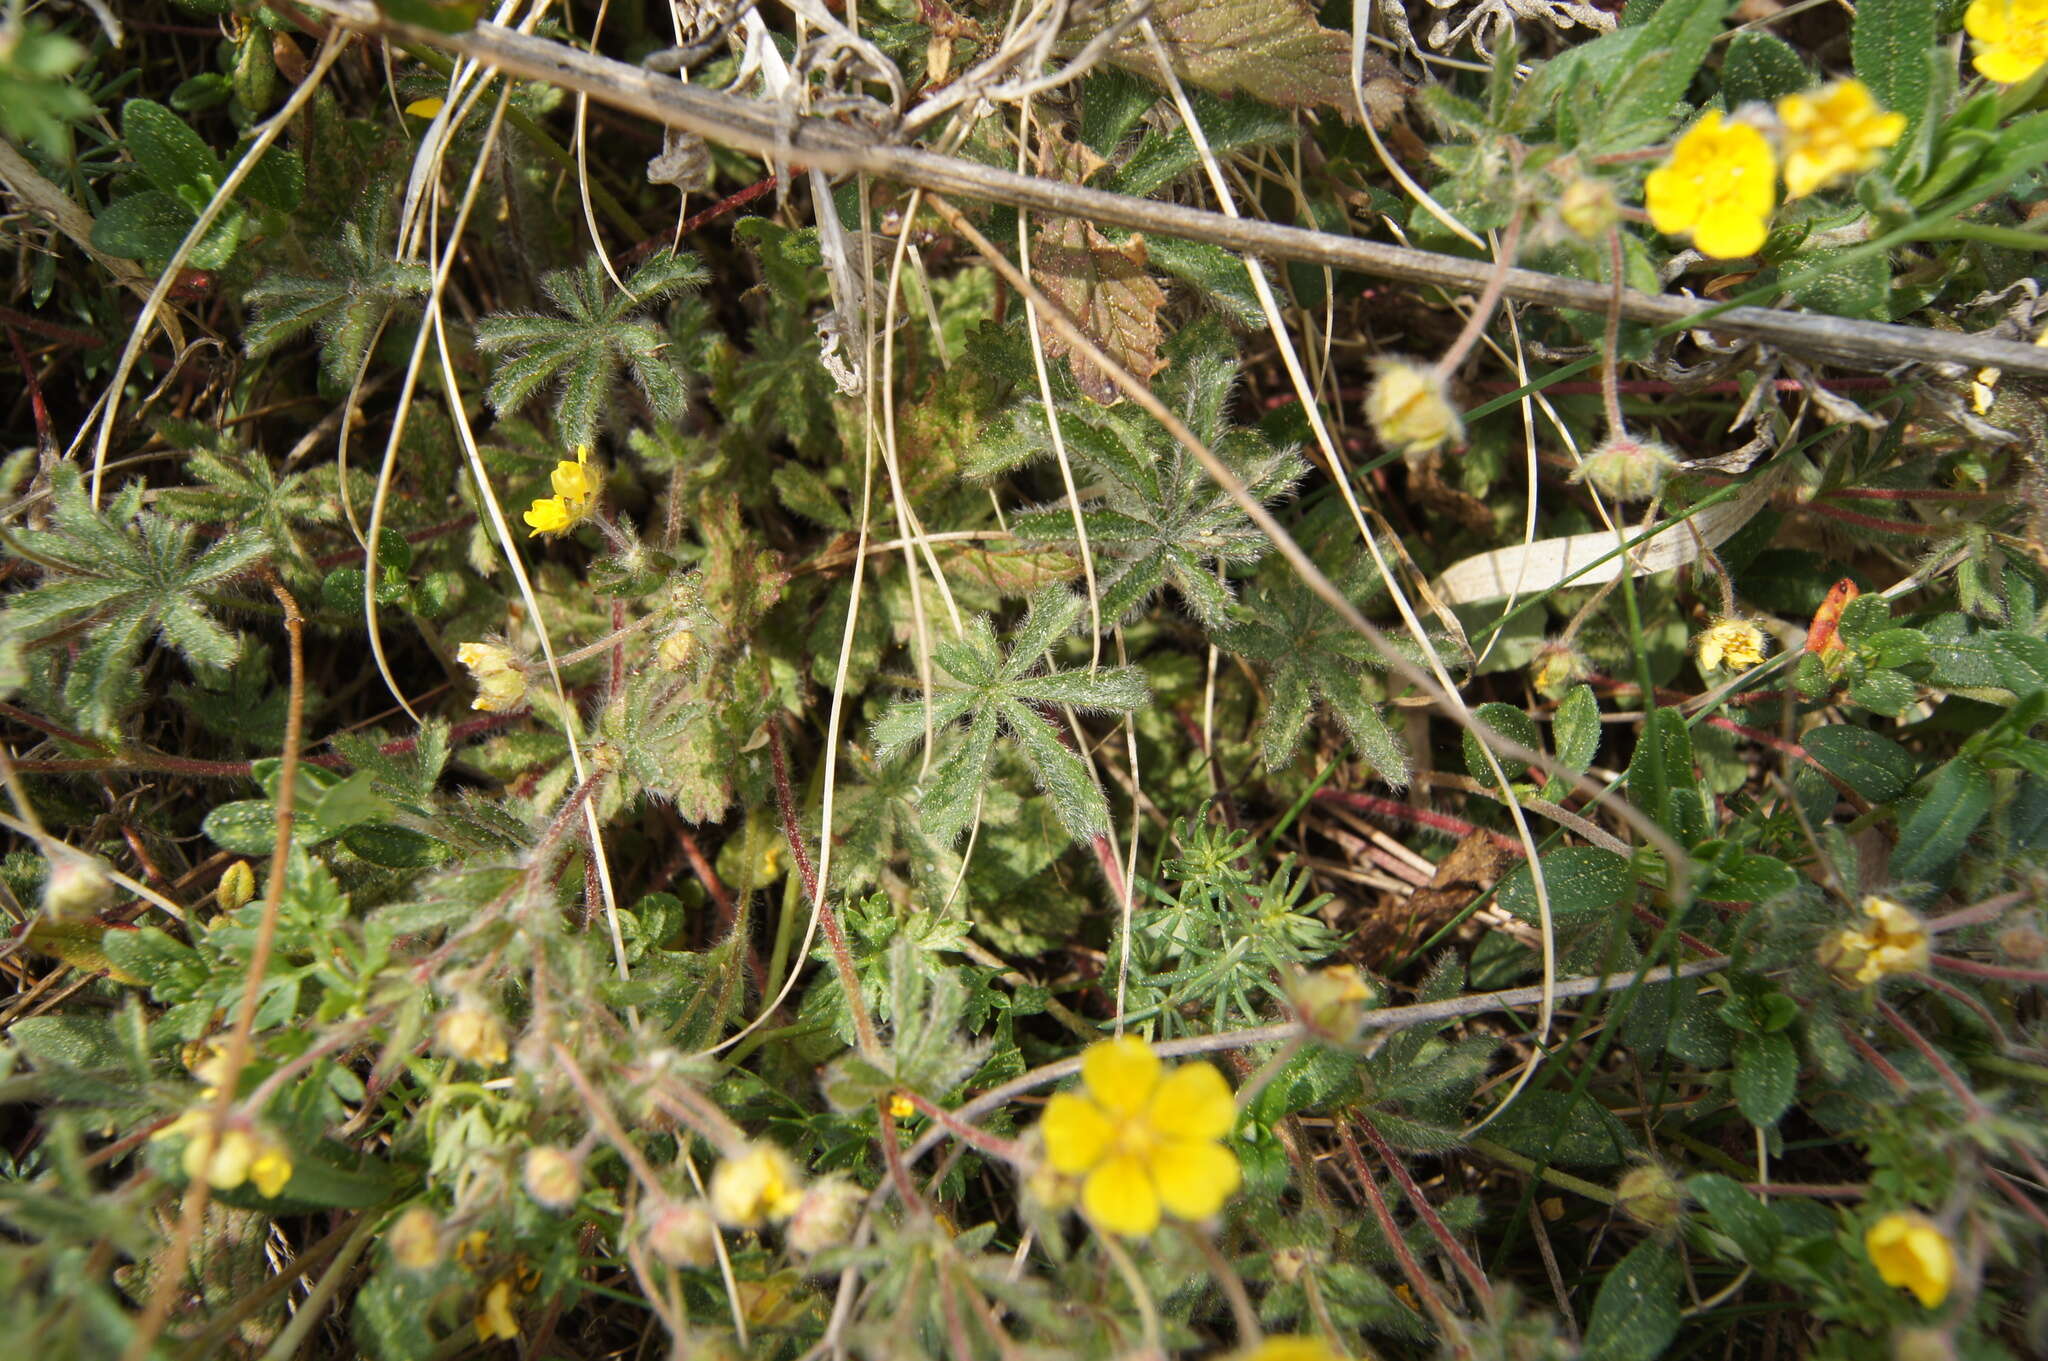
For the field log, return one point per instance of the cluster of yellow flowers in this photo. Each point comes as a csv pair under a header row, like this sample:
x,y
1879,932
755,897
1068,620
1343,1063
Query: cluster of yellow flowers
x,y
1141,1141
576,486
2011,38
1720,182
1896,942
1911,1252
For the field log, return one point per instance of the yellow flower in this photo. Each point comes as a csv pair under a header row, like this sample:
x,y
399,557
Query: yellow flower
x,y
225,1158
1290,1347
2011,37
494,1317
1717,186
1909,1250
1735,644
471,1033
1834,131
576,486
1143,1142
576,481
901,1107
1896,942
756,1187
1410,411
500,680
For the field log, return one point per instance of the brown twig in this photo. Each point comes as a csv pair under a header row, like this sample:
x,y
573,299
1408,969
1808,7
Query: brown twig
x,y
835,934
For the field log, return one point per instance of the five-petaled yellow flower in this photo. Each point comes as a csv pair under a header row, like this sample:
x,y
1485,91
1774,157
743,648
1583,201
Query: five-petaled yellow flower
x,y
1410,409
1911,1251
2011,38
1896,942
1141,1141
1717,185
576,486
1831,132
1736,644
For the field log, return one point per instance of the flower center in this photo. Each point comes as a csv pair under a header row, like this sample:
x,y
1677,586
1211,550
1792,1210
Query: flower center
x,y
1136,1139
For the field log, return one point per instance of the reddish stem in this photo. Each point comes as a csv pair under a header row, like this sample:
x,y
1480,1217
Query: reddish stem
x,y
2004,973
1482,1289
1423,817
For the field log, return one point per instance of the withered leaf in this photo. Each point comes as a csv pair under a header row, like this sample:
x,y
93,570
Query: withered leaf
x,y
1272,50
1104,287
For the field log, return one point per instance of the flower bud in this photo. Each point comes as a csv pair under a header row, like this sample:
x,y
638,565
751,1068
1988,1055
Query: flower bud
x,y
1895,942
471,1033
2022,943
677,651
1911,1252
757,1186
552,1176
1557,668
500,679
76,884
826,1215
1588,208
415,1239
1332,1002
1923,1344
237,887
1627,469
1289,1263
1649,1195
681,1234
1410,409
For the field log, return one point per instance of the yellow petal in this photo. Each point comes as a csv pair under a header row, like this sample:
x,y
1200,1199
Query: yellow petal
x,y
423,108
1988,21
1911,1251
1195,1176
1076,1131
1193,1102
1728,234
1673,200
1120,1074
2005,65
270,1172
1119,1198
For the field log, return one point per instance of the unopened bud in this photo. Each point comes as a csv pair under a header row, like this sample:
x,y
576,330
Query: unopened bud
x,y
1923,1344
2022,943
552,1176
826,1215
1410,408
76,885
682,1234
237,887
1628,469
1588,208
677,651
471,1033
1556,669
1649,1195
415,1239
1333,1001
1289,1263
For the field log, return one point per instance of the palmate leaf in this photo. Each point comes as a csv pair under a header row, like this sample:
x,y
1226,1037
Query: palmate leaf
x,y
1309,654
124,573
358,288
584,351
1007,694
1160,520
239,487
